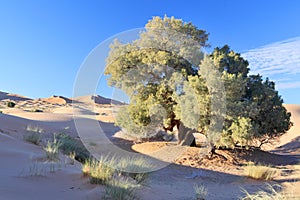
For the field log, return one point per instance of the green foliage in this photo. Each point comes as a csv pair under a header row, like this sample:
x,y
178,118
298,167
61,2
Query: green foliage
x,y
70,145
33,134
11,104
136,168
99,171
32,137
52,150
120,189
171,83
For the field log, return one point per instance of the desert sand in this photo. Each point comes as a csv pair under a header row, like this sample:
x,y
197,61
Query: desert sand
x,y
26,174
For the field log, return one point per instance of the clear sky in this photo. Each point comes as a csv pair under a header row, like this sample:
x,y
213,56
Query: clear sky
x,y
43,43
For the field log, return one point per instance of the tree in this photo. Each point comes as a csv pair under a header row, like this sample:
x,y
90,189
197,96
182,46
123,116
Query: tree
x,y
171,83
145,69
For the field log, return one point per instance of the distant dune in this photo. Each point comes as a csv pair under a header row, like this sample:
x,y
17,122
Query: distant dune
x,y
97,99
289,143
56,100
13,97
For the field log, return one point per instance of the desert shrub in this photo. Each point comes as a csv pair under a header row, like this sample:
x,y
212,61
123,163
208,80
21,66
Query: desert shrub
x,y
33,134
200,192
33,137
261,172
70,145
120,189
135,168
52,150
36,110
11,104
99,172
272,193
177,90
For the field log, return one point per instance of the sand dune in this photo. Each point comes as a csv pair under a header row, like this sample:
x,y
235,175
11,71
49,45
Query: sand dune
x,y
96,99
289,143
56,100
24,173
22,177
13,97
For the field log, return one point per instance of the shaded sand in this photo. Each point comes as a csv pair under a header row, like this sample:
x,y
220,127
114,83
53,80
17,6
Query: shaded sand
x,y
23,177
24,173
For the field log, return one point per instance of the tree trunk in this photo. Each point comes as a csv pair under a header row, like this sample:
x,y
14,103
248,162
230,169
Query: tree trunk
x,y
185,136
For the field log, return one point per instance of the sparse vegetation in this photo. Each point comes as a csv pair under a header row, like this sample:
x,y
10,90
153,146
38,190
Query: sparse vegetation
x,y
36,169
272,193
36,110
10,104
70,145
120,188
98,171
32,137
119,185
136,168
52,150
261,172
200,192
33,134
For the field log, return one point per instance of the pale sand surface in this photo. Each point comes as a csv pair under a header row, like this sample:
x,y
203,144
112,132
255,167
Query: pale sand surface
x,y
17,181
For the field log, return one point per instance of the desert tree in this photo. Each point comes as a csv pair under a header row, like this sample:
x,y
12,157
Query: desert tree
x,y
171,82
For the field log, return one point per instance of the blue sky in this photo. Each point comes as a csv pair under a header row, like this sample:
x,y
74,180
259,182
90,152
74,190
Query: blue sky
x,y
43,43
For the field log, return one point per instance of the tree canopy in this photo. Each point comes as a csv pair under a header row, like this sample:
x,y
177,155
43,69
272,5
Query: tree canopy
x,y
171,82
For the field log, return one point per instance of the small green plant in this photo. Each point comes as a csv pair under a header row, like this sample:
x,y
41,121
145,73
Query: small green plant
x,y
1,111
98,171
52,150
32,137
33,134
270,194
120,188
135,168
261,172
10,104
200,192
70,145
36,110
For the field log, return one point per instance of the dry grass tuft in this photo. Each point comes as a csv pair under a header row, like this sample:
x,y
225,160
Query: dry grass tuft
x,y
52,150
120,188
261,172
98,171
272,193
200,192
